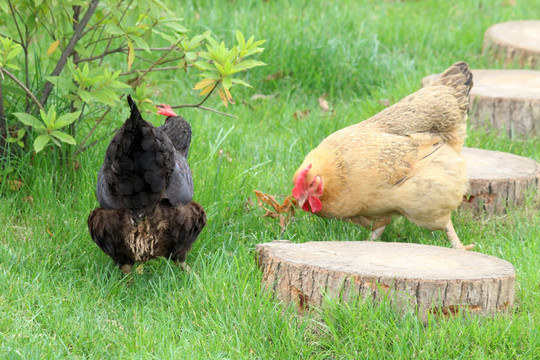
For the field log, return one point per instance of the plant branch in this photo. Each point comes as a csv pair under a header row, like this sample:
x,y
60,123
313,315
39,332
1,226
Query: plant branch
x,y
47,89
22,86
16,23
108,52
14,40
199,105
92,130
23,43
203,100
214,111
154,69
93,143
119,21
3,128
95,26
122,49
156,63
39,19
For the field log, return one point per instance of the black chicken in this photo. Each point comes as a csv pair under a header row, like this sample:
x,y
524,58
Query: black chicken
x,y
145,190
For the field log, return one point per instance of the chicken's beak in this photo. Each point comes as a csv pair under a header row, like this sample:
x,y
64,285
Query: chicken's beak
x,y
302,200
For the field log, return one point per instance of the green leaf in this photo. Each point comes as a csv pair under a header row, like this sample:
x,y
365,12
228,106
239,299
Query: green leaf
x,y
247,64
173,24
85,96
30,120
240,82
227,83
13,66
48,118
210,75
85,70
240,38
203,65
66,119
131,55
55,141
14,51
220,68
139,41
191,56
105,96
167,37
114,30
41,141
118,85
63,137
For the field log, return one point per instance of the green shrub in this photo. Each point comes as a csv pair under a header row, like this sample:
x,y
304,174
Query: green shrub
x,y
65,65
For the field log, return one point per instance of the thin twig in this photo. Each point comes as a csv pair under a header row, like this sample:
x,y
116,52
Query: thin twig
x,y
155,63
199,105
93,143
23,44
108,52
111,39
95,26
94,127
47,89
154,69
157,49
16,23
203,100
123,49
14,40
22,86
3,128
38,18
215,111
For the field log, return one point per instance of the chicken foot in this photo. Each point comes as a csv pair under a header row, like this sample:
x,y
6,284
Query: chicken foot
x,y
452,236
184,266
376,233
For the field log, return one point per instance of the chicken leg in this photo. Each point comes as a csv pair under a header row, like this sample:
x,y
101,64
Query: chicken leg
x,y
452,236
376,233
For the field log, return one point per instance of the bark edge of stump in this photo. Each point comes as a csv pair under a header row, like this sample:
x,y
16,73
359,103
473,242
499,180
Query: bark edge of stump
x,y
498,180
420,278
514,42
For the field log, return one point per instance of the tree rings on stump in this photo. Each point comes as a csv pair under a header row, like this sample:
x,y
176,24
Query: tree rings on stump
x,y
427,279
514,42
498,179
504,101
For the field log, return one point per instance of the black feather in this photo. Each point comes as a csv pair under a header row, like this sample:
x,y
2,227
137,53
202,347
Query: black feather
x,y
145,190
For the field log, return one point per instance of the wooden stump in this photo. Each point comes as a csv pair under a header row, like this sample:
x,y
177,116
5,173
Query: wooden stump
x,y
498,179
427,279
504,100
514,42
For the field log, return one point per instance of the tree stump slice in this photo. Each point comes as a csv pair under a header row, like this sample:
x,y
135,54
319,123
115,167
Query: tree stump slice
x,y
423,278
514,42
504,100
498,179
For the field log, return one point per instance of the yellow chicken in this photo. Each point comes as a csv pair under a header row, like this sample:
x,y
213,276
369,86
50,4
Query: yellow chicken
x,y
406,160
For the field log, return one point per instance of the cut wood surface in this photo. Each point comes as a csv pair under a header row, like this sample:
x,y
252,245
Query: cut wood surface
x,y
413,276
498,179
514,42
504,101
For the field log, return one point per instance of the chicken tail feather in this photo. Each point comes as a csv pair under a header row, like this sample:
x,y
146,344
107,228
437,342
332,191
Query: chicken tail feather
x,y
142,160
459,77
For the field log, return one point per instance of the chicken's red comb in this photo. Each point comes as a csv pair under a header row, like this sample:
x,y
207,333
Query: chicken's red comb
x,y
300,185
166,110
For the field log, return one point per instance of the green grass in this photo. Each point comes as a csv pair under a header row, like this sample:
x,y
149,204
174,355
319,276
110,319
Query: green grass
x,y
61,297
